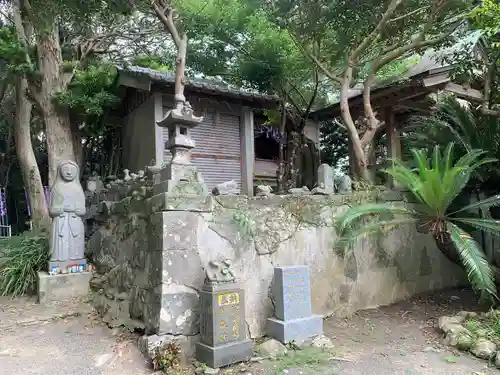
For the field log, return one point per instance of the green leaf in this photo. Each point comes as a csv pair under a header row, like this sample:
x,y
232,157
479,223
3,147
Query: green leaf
x,y
488,225
476,265
354,214
376,225
493,201
450,359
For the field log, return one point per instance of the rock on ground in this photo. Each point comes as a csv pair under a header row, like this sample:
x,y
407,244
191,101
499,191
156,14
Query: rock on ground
x,y
211,371
447,321
467,314
271,348
484,349
322,342
497,360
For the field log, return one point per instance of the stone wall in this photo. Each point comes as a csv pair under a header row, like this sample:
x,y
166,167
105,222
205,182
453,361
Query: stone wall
x,y
118,250
150,262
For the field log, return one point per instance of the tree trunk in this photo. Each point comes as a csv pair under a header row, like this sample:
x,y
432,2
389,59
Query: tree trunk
x,y
6,157
291,168
180,66
281,150
57,121
27,160
359,163
78,145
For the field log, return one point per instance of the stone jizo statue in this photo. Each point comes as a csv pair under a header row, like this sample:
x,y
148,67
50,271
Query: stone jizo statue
x,y
67,207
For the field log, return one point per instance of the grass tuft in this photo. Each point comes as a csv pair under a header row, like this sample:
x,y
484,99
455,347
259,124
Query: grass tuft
x,y
21,257
486,325
307,358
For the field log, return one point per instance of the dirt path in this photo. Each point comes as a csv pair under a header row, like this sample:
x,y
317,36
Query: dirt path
x,y
400,339
62,339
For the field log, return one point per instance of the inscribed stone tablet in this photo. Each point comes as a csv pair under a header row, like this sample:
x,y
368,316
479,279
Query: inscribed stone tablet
x,y
292,292
222,317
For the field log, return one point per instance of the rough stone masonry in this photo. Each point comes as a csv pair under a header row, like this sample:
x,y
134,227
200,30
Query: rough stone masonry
x,y
150,265
157,235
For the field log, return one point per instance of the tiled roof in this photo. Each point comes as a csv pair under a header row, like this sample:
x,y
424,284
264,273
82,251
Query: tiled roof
x,y
430,61
426,64
210,85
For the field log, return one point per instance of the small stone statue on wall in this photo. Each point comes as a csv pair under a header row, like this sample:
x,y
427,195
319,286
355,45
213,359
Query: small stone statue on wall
x,y
219,272
67,207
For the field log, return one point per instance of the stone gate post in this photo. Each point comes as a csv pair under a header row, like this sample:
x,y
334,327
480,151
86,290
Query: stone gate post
x,y
179,195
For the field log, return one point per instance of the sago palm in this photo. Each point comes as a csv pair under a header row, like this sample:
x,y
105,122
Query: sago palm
x,y
434,183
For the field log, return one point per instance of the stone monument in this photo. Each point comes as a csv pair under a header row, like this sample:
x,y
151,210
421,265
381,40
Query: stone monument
x,y
68,274
291,292
223,338
344,184
326,183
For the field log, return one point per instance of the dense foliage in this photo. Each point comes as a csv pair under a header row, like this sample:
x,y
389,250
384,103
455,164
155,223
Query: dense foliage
x,y
466,126
21,257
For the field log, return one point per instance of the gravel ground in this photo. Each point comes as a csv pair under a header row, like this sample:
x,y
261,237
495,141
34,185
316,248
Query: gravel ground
x,y
400,339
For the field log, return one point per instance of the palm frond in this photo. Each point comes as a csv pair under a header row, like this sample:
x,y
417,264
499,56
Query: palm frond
x,y
492,201
349,238
436,184
465,126
474,160
476,265
488,225
353,215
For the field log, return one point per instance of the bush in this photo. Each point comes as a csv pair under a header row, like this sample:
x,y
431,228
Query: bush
x,y
167,357
21,257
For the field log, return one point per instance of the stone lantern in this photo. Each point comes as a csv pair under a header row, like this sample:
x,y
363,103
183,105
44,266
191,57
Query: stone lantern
x,y
179,122
180,173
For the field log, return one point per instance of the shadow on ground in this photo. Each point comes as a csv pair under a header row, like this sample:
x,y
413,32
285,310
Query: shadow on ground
x,y
400,339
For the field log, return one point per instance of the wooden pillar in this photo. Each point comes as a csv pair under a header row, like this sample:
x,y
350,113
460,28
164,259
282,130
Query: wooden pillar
x,y
393,132
158,116
247,151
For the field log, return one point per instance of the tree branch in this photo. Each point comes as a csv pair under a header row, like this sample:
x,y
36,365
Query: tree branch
x,y
313,96
409,14
488,75
26,6
375,32
291,101
23,29
392,55
360,159
164,11
323,68
296,89
314,59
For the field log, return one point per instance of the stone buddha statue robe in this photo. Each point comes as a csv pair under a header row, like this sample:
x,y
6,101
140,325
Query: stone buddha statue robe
x,y
67,207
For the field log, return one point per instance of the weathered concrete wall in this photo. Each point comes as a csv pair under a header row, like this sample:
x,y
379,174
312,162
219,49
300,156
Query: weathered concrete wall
x,y
156,260
259,234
